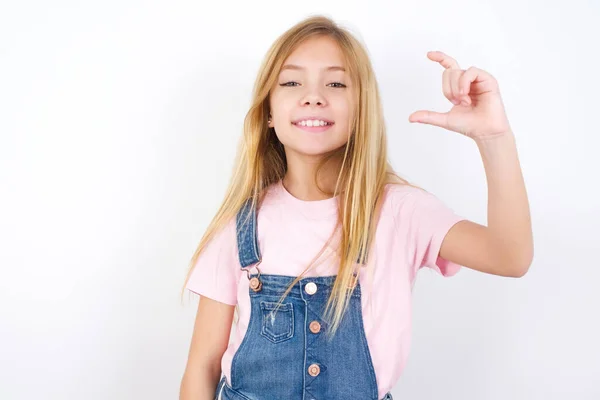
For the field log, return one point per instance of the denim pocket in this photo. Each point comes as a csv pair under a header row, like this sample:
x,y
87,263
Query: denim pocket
x,y
277,323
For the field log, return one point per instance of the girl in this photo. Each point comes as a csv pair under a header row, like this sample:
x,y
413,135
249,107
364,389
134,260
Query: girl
x,y
318,242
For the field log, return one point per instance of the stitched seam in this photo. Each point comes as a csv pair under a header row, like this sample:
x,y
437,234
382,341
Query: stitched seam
x,y
255,234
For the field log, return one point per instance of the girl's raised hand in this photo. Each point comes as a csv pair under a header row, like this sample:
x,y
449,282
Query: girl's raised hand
x,y
478,110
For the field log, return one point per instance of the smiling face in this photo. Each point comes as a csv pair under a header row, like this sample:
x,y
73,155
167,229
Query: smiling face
x,y
312,104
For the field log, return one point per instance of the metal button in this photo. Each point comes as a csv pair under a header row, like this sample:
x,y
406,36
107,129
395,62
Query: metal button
x,y
314,370
315,327
310,288
255,284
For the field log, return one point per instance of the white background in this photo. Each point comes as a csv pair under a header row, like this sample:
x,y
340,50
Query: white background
x,y
118,125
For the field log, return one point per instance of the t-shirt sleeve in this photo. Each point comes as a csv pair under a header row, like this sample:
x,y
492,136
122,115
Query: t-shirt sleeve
x,y
429,221
217,269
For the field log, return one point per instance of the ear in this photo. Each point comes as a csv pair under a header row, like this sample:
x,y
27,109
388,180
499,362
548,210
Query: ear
x,y
270,121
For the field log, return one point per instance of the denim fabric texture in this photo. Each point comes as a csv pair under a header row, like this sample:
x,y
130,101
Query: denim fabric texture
x,y
285,354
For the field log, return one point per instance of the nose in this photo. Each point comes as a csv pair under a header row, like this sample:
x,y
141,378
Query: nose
x,y
308,102
314,97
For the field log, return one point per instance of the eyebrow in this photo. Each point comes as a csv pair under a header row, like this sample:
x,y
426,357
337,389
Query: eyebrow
x,y
297,67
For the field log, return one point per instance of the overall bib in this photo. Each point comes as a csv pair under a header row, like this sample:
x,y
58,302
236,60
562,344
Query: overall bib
x,y
284,354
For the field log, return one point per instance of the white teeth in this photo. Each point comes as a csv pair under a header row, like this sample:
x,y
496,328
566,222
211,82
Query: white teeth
x,y
311,122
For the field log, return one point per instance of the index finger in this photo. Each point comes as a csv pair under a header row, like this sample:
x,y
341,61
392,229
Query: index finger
x,y
445,60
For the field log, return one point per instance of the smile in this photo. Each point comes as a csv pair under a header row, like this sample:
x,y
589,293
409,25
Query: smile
x,y
312,122
313,126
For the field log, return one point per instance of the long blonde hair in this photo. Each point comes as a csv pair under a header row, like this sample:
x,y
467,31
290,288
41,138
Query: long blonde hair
x,y
364,170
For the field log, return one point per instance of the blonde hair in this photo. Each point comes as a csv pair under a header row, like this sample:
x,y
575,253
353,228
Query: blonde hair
x,y
364,170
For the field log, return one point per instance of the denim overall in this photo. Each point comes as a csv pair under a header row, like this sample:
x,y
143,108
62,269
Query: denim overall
x,y
285,355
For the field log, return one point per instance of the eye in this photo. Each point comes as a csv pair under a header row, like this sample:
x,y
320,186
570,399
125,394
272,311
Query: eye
x,y
341,85
291,83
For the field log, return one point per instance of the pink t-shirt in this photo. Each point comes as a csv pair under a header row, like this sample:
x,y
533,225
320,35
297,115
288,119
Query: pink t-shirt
x,y
291,232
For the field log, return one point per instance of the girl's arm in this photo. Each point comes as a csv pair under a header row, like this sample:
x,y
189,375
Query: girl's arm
x,y
209,341
505,246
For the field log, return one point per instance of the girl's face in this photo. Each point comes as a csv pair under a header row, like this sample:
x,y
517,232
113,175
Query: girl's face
x,y
312,104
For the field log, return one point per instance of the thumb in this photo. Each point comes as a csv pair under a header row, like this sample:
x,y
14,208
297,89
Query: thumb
x,y
430,117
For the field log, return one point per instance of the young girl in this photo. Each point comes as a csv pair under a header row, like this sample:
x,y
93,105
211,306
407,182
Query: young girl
x,y
318,242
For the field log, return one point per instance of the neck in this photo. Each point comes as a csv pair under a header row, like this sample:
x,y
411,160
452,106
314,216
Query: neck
x,y
300,177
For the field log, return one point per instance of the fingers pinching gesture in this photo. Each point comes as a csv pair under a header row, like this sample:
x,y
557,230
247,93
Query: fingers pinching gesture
x,y
478,110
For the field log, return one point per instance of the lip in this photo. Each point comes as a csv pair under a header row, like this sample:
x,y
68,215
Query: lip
x,y
313,129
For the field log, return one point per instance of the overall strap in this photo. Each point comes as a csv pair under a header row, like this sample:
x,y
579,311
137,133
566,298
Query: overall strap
x,y
247,238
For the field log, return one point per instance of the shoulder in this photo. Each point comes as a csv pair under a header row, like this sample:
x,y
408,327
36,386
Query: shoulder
x,y
415,208
399,190
222,240
402,198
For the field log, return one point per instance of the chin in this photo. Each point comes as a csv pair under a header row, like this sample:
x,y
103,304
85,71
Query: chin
x,y
315,150
312,144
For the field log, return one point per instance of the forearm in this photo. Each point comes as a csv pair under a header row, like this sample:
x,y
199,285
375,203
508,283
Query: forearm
x,y
509,219
199,385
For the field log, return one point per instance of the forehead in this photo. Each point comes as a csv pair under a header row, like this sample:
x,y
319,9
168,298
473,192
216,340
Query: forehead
x,y
319,52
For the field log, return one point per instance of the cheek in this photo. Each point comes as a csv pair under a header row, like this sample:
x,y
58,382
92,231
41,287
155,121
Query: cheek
x,y
280,103
344,115
344,106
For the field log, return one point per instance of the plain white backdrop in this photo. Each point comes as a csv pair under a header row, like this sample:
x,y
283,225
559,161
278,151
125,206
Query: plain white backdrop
x,y
118,127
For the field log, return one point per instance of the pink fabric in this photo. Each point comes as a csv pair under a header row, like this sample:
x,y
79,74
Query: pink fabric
x,y
291,232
